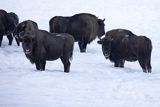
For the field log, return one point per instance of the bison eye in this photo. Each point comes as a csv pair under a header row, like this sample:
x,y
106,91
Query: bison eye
x,y
21,33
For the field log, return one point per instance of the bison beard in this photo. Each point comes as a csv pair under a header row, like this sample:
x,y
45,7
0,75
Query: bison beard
x,y
40,46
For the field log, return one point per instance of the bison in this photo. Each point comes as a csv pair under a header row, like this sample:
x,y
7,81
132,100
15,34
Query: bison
x,y
129,48
8,22
27,25
40,45
84,27
15,20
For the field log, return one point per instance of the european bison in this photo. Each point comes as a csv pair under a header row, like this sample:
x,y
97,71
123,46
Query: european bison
x,y
40,45
8,22
84,27
129,48
23,27
15,20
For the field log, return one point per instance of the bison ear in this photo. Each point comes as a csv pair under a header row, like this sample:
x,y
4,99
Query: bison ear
x,y
99,42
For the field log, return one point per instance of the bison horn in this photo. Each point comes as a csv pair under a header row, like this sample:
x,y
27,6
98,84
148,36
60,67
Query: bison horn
x,y
100,40
104,19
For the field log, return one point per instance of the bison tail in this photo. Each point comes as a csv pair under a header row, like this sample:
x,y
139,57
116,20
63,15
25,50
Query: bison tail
x,y
50,29
71,57
148,47
51,26
71,54
68,46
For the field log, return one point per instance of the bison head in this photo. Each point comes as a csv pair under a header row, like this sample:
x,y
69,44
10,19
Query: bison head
x,y
23,27
101,30
28,41
106,46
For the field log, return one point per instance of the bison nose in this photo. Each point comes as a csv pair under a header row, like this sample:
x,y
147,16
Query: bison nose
x,y
27,51
106,55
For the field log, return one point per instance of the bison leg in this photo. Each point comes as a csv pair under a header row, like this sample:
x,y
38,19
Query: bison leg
x,y
17,41
82,46
149,67
1,37
38,66
116,64
143,65
66,64
10,38
42,65
121,63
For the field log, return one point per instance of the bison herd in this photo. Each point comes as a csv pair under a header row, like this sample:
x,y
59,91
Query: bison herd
x,y
118,45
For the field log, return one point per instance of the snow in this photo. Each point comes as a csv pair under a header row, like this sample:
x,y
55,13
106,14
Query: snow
x,y
93,81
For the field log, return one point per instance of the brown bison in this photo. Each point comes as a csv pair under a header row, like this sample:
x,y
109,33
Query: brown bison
x,y
40,45
84,27
127,47
8,22
15,20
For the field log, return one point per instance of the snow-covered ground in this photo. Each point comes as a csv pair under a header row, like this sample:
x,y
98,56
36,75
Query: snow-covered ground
x,y
92,81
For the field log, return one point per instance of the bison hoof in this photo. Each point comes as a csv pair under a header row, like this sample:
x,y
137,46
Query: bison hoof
x,y
40,70
149,70
145,71
116,65
82,51
121,66
66,71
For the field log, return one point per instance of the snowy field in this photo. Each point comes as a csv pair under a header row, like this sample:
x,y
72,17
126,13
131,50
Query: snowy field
x,y
93,81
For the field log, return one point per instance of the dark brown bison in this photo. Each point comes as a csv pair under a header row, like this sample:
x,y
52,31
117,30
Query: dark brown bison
x,y
8,22
23,27
129,48
15,20
40,45
84,27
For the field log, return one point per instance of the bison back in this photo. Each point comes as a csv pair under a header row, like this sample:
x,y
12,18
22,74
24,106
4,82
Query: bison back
x,y
58,24
119,33
84,27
